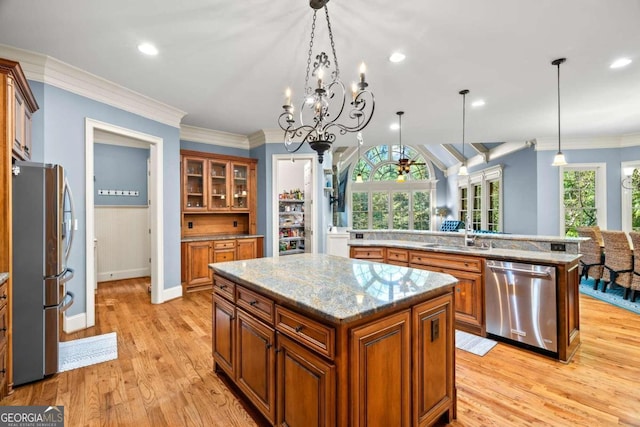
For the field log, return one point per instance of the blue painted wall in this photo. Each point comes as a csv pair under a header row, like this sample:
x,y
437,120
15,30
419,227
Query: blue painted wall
x,y
549,184
120,168
60,136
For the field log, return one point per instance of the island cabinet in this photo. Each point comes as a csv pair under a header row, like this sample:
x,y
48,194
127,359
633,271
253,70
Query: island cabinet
x,y
394,367
469,292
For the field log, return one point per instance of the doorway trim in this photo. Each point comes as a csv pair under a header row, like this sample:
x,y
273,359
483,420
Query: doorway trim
x,y
155,192
275,159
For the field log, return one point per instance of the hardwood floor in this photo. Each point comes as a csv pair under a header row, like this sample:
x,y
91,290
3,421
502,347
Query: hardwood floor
x,y
163,375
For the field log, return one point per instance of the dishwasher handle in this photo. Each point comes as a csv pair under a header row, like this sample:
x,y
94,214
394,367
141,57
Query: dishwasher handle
x,y
543,274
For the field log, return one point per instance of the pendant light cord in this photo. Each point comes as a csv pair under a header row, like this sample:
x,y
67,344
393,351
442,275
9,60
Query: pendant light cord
x,y
464,108
559,150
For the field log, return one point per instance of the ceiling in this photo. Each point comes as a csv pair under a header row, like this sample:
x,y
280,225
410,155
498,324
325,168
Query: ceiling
x,y
227,63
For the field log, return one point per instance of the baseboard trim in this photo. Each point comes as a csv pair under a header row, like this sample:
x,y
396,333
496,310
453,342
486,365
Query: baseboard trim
x,y
107,276
74,323
171,293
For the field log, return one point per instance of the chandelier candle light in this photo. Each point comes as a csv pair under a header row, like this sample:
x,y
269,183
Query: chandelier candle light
x,y
323,106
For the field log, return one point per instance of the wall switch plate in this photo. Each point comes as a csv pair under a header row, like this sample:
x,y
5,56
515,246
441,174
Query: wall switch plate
x,y
558,247
190,224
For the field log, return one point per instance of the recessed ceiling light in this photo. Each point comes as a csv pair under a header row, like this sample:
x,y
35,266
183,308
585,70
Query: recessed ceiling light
x,y
148,49
619,63
394,126
478,103
397,57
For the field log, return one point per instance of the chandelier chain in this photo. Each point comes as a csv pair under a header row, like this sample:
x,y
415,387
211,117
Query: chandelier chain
x,y
333,45
313,30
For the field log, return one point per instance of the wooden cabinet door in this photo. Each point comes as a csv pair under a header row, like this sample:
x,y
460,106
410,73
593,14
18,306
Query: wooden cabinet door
x,y
224,335
468,297
247,248
255,369
199,255
194,186
380,363
219,194
433,360
239,180
306,387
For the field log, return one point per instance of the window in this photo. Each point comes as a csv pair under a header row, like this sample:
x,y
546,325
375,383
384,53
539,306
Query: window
x,y
480,198
582,197
380,202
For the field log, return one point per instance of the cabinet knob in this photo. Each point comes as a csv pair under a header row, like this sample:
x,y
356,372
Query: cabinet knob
x,y
223,286
269,346
299,328
3,296
3,329
252,303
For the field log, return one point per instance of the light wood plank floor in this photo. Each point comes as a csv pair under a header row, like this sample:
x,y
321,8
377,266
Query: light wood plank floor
x,y
163,375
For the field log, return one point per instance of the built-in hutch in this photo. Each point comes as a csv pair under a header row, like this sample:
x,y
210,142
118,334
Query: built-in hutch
x,y
17,105
218,213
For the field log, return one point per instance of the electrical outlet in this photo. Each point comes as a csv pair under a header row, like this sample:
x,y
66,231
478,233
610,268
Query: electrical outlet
x,y
235,223
359,236
190,224
558,247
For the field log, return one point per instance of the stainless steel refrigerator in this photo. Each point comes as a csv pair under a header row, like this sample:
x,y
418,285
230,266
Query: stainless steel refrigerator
x,y
42,237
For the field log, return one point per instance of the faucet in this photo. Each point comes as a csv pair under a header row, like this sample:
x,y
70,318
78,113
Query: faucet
x,y
469,239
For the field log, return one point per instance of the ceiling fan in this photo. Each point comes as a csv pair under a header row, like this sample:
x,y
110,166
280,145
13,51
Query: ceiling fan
x,y
404,164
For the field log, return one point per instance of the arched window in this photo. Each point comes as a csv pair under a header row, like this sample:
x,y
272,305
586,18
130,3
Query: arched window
x,y
380,202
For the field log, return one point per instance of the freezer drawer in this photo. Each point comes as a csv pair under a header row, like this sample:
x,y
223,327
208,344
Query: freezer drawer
x,y
520,303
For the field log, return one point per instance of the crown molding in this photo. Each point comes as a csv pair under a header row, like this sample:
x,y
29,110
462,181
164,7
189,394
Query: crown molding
x,y
214,137
588,143
48,70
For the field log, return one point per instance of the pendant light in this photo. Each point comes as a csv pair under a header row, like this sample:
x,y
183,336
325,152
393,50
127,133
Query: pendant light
x,y
463,168
559,159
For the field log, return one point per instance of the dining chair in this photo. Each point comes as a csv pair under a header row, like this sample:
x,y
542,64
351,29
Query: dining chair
x,y
618,260
635,281
592,261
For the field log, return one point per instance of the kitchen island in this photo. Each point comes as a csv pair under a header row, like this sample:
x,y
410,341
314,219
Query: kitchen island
x,y
447,252
319,340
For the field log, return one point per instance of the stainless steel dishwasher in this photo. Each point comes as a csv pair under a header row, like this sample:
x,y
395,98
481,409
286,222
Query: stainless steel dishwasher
x,y
520,303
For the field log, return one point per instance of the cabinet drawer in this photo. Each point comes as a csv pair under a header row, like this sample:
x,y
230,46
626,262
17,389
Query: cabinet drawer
x,y
456,262
3,295
255,304
3,326
224,255
310,333
224,244
368,253
397,255
224,287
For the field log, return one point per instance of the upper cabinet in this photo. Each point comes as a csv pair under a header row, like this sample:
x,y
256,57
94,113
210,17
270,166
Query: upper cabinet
x,y
19,107
217,184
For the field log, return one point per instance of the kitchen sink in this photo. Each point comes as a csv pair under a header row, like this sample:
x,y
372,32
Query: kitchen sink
x,y
455,247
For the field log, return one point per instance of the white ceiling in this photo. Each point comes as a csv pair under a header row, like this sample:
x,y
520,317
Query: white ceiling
x,y
227,63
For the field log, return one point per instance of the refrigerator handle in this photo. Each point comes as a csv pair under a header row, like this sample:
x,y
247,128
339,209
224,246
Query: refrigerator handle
x,y
67,275
67,189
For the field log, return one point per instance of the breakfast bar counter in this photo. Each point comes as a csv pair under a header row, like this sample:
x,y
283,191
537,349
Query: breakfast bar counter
x,y
314,339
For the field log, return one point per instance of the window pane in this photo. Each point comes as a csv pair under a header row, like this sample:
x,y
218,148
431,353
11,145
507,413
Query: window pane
x,y
388,172
360,212
463,205
477,207
380,212
493,213
378,154
579,200
401,211
421,210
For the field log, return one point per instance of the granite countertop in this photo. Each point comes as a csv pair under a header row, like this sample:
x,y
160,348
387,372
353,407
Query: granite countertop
x,y
4,277
335,288
488,253
219,237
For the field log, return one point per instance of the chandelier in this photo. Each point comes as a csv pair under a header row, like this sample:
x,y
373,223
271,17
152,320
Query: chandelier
x,y
404,164
326,109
